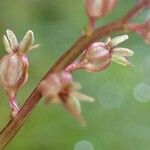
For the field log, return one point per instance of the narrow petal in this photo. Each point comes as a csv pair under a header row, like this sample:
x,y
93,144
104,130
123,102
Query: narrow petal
x,y
123,52
33,47
83,97
73,107
121,60
27,42
12,40
77,86
117,40
6,44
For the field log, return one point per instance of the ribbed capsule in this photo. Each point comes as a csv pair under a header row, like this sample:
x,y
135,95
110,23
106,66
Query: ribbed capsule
x,y
14,65
96,58
13,70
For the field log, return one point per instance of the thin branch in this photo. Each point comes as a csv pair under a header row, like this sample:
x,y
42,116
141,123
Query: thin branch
x,y
15,124
139,7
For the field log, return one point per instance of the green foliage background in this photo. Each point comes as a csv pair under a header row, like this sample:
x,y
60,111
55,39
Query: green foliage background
x,y
116,120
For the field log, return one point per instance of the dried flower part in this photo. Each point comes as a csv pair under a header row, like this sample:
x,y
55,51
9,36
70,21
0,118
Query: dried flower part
x,y
98,8
118,54
27,42
14,66
122,61
6,44
60,88
11,44
74,108
12,40
117,40
142,29
123,52
121,55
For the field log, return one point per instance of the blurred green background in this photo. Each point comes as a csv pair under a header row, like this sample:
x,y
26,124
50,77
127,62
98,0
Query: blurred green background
x,y
119,117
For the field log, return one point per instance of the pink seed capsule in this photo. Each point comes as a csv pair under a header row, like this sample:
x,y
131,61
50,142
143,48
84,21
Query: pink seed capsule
x,y
96,9
14,65
13,74
96,58
13,70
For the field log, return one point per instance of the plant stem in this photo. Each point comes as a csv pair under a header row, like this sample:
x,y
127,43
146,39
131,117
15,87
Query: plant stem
x,y
139,7
16,123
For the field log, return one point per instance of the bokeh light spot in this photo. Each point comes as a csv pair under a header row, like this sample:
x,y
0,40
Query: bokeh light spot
x,y
144,67
83,145
142,92
111,96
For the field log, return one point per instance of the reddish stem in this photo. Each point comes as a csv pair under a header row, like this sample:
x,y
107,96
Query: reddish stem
x,y
15,124
139,7
13,102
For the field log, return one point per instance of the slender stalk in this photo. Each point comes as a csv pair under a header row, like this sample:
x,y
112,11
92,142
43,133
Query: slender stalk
x,y
139,7
15,123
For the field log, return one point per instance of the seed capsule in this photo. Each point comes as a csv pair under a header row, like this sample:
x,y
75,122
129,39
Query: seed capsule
x,y
14,65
